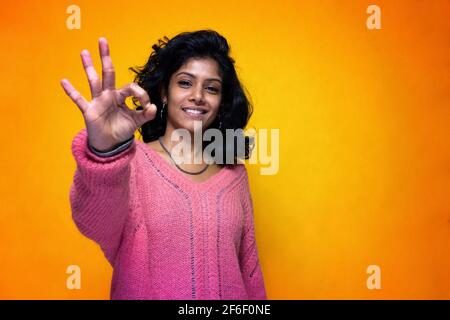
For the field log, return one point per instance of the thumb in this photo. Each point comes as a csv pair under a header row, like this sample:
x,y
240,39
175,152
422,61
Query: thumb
x,y
147,114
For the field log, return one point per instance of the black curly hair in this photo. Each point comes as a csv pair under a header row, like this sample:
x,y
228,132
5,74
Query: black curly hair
x,y
167,57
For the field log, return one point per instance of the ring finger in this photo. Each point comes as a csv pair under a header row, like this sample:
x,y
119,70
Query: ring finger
x,y
93,79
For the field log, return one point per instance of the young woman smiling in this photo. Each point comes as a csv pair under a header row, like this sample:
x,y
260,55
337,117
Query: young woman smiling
x,y
169,230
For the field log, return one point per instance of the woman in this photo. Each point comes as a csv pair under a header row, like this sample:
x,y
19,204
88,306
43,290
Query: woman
x,y
170,230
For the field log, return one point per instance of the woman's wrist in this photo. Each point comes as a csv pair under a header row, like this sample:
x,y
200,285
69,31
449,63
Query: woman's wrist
x,y
115,150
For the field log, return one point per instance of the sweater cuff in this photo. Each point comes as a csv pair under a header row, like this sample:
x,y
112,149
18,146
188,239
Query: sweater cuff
x,y
118,149
101,171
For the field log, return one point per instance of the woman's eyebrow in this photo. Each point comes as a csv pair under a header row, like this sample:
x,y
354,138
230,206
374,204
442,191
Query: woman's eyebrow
x,y
193,76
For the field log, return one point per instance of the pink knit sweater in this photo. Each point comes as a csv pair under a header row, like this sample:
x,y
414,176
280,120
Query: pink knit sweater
x,y
166,236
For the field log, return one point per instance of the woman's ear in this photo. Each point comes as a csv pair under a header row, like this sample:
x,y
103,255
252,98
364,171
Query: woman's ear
x,y
162,94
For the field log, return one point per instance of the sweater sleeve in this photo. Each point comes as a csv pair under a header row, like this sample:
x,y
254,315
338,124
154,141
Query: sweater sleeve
x,y
248,255
100,194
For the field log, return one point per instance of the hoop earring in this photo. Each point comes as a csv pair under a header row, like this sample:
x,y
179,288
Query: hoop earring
x,y
220,123
162,109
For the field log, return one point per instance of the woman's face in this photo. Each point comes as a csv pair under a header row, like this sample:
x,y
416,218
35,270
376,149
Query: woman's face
x,y
195,92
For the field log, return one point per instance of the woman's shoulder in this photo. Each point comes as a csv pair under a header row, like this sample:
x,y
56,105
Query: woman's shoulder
x,y
154,145
150,151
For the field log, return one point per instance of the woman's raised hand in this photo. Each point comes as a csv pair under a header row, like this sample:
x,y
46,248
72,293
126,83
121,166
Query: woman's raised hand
x,y
108,119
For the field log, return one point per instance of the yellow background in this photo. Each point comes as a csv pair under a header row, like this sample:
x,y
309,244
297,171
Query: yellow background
x,y
364,119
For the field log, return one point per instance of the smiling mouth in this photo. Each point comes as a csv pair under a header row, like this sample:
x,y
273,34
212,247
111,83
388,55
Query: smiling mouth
x,y
193,111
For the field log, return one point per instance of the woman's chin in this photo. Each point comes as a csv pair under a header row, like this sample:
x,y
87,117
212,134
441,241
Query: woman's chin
x,y
193,125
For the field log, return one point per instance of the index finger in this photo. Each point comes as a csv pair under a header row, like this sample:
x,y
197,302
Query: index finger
x,y
133,89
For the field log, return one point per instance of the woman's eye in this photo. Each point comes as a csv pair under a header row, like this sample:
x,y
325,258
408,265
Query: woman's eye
x,y
213,89
183,82
187,83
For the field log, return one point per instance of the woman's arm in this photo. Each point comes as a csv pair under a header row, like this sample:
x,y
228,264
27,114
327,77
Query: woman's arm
x,y
100,194
248,255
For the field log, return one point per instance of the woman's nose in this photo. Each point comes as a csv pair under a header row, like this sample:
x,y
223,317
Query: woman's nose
x,y
197,94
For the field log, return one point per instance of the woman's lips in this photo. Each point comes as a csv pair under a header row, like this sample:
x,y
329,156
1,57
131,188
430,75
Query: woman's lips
x,y
194,113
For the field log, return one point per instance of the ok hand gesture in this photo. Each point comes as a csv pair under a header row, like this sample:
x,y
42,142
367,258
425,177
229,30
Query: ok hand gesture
x,y
108,119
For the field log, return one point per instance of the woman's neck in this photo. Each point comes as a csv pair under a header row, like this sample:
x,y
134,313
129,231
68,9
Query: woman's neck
x,y
184,145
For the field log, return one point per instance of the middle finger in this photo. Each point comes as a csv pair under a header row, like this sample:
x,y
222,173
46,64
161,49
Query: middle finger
x,y
108,73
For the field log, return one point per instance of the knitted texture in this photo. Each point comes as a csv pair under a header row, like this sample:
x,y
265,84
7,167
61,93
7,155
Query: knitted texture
x,y
166,236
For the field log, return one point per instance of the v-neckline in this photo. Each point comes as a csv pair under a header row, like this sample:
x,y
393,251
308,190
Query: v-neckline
x,y
178,174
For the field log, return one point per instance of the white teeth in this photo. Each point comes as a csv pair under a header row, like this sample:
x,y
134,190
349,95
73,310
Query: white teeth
x,y
194,111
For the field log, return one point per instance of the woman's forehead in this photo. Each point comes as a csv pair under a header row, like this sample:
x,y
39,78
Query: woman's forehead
x,y
202,68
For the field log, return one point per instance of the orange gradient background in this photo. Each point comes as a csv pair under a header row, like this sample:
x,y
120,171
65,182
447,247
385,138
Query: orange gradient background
x,y
364,119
